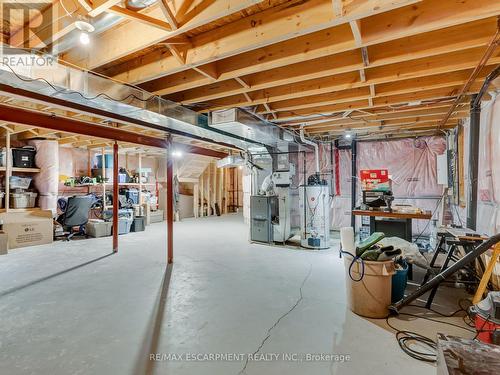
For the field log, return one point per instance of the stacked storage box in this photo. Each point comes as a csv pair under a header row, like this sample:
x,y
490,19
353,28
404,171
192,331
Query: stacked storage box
x,y
99,228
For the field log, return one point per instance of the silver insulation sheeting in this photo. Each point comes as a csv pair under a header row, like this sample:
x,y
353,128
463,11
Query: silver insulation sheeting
x,y
96,92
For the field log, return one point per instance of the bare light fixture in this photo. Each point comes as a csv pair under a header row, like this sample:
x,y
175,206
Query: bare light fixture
x,y
85,29
177,153
137,5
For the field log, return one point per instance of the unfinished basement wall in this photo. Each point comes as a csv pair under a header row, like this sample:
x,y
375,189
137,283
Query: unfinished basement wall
x,y
412,165
488,199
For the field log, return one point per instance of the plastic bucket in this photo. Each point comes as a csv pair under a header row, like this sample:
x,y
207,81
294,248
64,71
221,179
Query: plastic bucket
x,y
399,281
371,296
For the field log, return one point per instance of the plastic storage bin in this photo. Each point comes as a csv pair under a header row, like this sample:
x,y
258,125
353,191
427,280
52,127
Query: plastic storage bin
x,y
132,195
23,157
16,182
3,157
125,219
98,228
139,224
156,216
124,225
23,200
371,296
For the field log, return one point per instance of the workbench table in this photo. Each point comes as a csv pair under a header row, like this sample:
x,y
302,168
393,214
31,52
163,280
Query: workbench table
x,y
392,223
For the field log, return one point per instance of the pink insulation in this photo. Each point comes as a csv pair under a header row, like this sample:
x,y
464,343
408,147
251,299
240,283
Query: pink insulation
x,y
488,218
412,166
46,182
66,165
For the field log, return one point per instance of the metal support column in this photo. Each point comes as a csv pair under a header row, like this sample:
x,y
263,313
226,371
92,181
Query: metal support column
x,y
474,129
115,195
354,170
170,205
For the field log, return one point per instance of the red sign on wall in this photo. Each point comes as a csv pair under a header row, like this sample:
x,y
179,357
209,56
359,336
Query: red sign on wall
x,y
374,179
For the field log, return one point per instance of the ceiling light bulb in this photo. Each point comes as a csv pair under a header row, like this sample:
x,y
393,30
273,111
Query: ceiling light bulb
x,y
240,167
176,153
348,135
84,38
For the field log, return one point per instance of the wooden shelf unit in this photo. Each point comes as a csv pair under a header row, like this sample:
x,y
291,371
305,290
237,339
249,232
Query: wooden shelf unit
x,y
21,170
139,185
9,170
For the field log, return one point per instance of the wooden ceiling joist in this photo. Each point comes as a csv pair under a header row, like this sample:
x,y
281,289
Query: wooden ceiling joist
x,y
285,22
372,65
131,15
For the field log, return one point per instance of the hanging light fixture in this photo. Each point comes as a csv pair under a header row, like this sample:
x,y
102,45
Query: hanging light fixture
x,y
348,134
136,5
85,29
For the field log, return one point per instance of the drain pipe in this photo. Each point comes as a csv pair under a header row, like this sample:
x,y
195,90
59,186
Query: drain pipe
x,y
475,119
311,143
354,173
475,115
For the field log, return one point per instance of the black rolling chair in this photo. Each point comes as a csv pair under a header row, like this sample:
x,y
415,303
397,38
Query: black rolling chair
x,y
76,215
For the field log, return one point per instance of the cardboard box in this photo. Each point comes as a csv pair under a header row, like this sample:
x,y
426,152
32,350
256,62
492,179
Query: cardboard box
x,y
28,228
375,179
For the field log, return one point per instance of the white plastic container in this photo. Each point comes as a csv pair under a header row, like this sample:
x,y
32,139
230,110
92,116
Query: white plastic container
x,y
23,200
156,216
98,228
124,225
16,182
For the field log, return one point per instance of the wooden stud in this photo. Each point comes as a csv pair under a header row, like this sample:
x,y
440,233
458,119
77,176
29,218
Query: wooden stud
x,y
131,15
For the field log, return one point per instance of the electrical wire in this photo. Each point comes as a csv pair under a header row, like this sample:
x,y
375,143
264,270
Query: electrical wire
x,y
355,259
407,339
71,92
429,220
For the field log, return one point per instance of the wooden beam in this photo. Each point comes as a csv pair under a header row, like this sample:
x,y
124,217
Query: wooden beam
x,y
167,13
242,82
48,121
337,8
136,16
418,68
179,55
128,38
356,32
426,45
379,113
361,118
47,26
208,70
99,6
274,25
85,5
393,100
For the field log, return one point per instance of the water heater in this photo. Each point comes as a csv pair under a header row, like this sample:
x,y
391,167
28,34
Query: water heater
x,y
314,210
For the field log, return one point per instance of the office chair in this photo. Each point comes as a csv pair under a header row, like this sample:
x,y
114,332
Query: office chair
x,y
76,215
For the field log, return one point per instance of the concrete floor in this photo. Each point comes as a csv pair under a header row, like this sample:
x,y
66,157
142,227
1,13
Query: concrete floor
x,y
71,308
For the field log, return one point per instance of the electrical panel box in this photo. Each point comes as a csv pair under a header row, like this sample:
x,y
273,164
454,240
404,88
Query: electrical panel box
x,y
442,169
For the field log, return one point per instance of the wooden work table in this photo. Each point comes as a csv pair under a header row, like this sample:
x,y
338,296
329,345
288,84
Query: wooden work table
x,y
394,214
393,224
